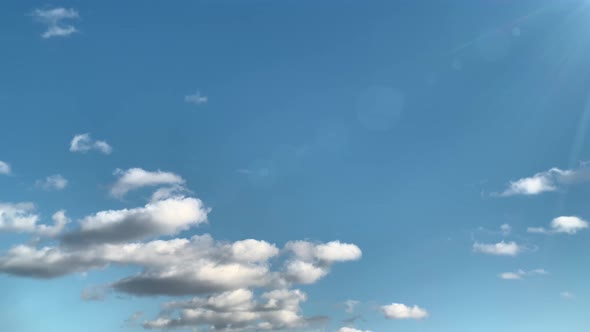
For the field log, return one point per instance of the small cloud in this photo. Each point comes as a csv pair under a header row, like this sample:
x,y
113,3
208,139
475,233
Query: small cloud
x,y
135,178
562,225
84,143
547,181
52,182
511,275
350,329
5,168
567,295
96,293
498,249
350,305
402,311
506,229
54,20
196,98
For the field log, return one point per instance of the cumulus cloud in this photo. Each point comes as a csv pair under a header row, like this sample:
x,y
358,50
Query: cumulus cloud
x,y
196,98
4,168
547,181
54,20
166,217
402,311
562,225
84,143
499,249
135,178
521,274
52,182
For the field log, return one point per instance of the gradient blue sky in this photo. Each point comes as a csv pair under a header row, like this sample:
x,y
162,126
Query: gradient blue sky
x,y
408,130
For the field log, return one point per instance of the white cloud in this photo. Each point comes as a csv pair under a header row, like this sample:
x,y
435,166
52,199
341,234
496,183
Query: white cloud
x,y
196,98
22,218
330,252
547,181
84,143
511,276
4,168
500,248
54,20
402,311
166,217
567,295
350,329
350,305
312,261
53,182
521,274
564,224
135,178
304,272
19,217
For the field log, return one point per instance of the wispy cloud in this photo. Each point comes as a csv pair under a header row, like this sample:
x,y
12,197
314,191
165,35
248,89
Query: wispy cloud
x,y
562,225
54,20
350,305
52,182
567,295
5,168
547,181
196,98
521,274
84,143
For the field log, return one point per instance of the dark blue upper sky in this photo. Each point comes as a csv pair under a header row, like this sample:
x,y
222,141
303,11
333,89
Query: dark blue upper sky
x,y
428,155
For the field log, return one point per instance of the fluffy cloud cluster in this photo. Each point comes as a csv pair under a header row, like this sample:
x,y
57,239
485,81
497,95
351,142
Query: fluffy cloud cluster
x,y
54,20
235,310
223,275
84,143
547,181
402,311
564,225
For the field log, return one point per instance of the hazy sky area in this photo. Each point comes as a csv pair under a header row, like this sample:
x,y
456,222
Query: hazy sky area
x,y
294,165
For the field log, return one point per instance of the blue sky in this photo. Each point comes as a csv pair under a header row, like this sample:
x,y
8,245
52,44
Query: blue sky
x,y
337,166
